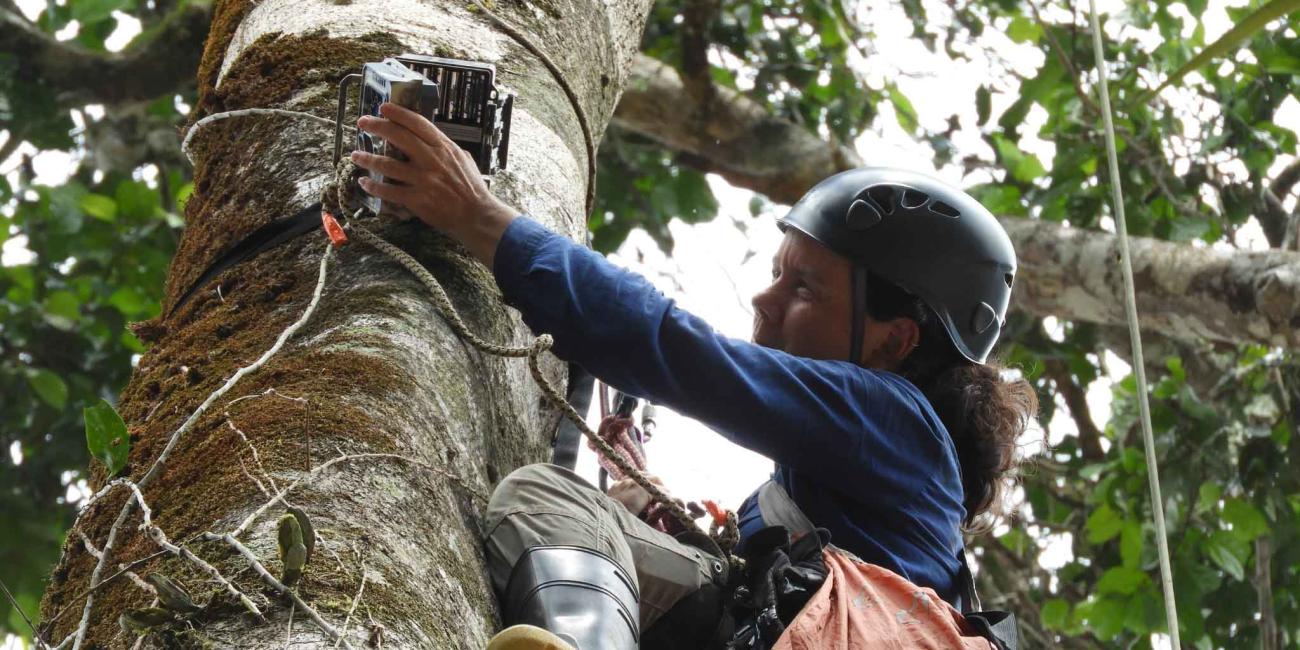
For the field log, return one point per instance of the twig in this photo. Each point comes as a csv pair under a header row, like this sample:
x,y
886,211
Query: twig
x,y
159,463
355,599
278,586
288,630
123,569
270,391
41,642
279,496
139,582
256,458
249,475
160,538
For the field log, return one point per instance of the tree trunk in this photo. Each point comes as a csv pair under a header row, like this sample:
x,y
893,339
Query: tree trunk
x,y
375,370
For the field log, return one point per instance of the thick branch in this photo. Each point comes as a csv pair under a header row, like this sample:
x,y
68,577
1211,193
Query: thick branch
x,y
734,137
160,61
1183,292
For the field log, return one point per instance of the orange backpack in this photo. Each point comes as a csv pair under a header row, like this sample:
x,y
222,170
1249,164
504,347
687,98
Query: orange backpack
x,y
861,606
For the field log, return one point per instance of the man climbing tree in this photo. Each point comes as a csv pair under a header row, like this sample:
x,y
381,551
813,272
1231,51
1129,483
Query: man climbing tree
x,y
769,95
888,427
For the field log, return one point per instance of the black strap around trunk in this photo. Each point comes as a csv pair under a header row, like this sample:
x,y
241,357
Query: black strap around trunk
x,y
265,238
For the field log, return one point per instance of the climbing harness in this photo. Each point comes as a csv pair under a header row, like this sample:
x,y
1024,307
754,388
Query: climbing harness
x,y
1135,336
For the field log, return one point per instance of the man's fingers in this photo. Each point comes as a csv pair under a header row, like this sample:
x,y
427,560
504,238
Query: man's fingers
x,y
410,144
399,194
430,134
388,167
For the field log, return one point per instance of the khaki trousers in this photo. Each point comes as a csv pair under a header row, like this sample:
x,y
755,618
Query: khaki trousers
x,y
545,504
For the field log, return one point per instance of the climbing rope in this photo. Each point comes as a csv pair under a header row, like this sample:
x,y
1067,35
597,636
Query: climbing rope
x,y
1135,336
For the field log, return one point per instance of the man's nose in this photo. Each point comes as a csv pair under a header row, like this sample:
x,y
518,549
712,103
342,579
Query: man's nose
x,y
767,304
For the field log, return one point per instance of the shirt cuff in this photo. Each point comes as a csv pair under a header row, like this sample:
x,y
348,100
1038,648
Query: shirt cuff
x,y
515,252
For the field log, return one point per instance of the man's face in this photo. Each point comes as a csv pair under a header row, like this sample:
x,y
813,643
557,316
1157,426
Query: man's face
x,y
806,310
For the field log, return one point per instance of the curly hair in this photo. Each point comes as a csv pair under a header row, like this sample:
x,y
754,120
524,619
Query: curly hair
x,y
984,411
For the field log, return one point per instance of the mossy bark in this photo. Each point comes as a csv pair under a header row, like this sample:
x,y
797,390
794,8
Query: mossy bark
x,y
375,370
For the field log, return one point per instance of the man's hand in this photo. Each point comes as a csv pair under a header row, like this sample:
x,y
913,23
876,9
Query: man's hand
x,y
440,183
633,496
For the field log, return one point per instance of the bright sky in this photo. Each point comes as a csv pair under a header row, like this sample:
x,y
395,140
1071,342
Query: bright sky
x,y
716,267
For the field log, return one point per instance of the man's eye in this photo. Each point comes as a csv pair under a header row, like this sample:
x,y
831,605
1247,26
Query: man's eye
x,y
776,274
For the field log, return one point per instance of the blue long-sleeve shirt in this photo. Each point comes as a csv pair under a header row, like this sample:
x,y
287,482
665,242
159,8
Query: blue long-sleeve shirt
x,y
861,452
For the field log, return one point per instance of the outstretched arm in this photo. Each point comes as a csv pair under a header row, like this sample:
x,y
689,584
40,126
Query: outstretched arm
x,y
823,417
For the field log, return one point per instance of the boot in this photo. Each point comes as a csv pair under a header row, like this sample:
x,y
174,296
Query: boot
x,y
562,597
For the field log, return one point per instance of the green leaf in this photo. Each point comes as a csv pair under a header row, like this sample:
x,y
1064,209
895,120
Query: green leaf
x,y
983,105
106,436
1228,552
1247,521
1024,30
62,309
1000,199
93,11
903,109
49,387
1242,31
66,214
1122,580
135,200
1055,614
1103,524
1130,543
130,302
99,206
1107,617
1185,230
1208,496
1023,167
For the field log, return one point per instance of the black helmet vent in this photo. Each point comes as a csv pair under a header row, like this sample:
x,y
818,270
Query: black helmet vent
x,y
913,199
1009,277
939,207
883,196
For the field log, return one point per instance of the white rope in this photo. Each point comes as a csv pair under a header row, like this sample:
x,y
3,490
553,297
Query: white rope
x,y
198,126
1135,336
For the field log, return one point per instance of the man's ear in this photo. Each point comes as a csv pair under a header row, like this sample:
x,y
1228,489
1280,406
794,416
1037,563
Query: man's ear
x,y
904,336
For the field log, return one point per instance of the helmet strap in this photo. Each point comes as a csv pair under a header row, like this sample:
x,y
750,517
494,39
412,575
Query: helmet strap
x,y
858,289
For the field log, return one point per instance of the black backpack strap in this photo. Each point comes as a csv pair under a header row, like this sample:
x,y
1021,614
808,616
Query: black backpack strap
x,y
997,626
567,438
970,601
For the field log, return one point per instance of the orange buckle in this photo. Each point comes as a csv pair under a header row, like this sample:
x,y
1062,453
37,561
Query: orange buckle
x,y
333,229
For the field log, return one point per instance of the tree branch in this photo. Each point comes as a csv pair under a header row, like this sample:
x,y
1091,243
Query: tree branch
x,y
160,61
1076,403
1184,293
735,137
